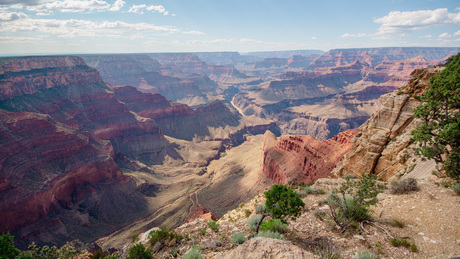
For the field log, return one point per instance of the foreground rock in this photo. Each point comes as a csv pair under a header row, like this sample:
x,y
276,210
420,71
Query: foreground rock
x,y
260,247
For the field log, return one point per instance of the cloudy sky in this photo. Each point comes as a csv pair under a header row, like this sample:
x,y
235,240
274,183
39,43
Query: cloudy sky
x,y
123,26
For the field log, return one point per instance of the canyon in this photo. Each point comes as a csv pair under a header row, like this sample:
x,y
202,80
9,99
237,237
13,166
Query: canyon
x,y
101,147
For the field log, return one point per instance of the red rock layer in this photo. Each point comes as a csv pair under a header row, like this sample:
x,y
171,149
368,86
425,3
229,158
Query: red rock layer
x,y
302,158
200,212
42,163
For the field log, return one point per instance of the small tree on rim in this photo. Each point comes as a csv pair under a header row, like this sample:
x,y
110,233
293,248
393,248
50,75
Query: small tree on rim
x,y
282,203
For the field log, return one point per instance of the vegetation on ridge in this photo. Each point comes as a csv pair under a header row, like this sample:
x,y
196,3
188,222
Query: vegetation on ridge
x,y
351,202
282,203
439,132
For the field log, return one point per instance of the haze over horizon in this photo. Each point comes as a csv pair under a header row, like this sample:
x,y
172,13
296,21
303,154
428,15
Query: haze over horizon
x,y
117,26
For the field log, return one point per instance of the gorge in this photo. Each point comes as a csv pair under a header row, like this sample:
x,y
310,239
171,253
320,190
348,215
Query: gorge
x,y
101,147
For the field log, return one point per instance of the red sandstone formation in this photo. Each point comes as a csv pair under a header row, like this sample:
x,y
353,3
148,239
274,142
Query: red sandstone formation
x,y
200,212
303,158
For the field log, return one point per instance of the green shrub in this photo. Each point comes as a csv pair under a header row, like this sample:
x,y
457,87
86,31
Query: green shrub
x,y
404,186
247,213
202,231
352,201
326,252
260,208
193,253
253,222
238,238
45,252
397,242
349,176
275,225
163,235
213,225
283,203
413,248
139,251
7,248
241,205
308,190
398,223
366,254
456,188
270,234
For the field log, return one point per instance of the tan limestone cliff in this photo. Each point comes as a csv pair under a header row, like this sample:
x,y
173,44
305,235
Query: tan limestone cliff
x,y
383,145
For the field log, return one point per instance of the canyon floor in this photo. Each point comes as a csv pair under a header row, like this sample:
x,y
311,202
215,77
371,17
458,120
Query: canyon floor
x,y
430,218
219,186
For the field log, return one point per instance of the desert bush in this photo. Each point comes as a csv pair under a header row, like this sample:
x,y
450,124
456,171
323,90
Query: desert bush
x,y
326,252
139,251
274,225
193,253
163,235
404,186
247,213
213,225
308,190
7,248
352,201
366,254
456,188
270,234
253,222
238,238
397,242
260,208
398,223
45,252
202,231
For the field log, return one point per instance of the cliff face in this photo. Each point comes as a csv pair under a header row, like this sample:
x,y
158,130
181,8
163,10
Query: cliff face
x,y
375,56
60,128
303,158
382,145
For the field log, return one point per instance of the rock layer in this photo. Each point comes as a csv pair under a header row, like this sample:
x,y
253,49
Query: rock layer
x,y
303,158
382,145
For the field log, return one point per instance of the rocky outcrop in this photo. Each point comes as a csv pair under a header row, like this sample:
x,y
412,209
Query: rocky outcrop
x,y
382,146
302,158
200,212
260,247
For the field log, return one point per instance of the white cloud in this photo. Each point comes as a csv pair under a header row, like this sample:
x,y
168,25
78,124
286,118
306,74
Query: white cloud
x,y
153,8
428,36
313,38
11,16
9,40
70,6
193,32
350,35
457,33
117,5
72,28
445,35
398,23
22,2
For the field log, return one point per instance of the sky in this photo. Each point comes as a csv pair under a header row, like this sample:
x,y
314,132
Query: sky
x,y
123,26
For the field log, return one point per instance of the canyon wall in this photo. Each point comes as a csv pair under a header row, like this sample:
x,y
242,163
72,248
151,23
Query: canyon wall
x,y
383,146
301,158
